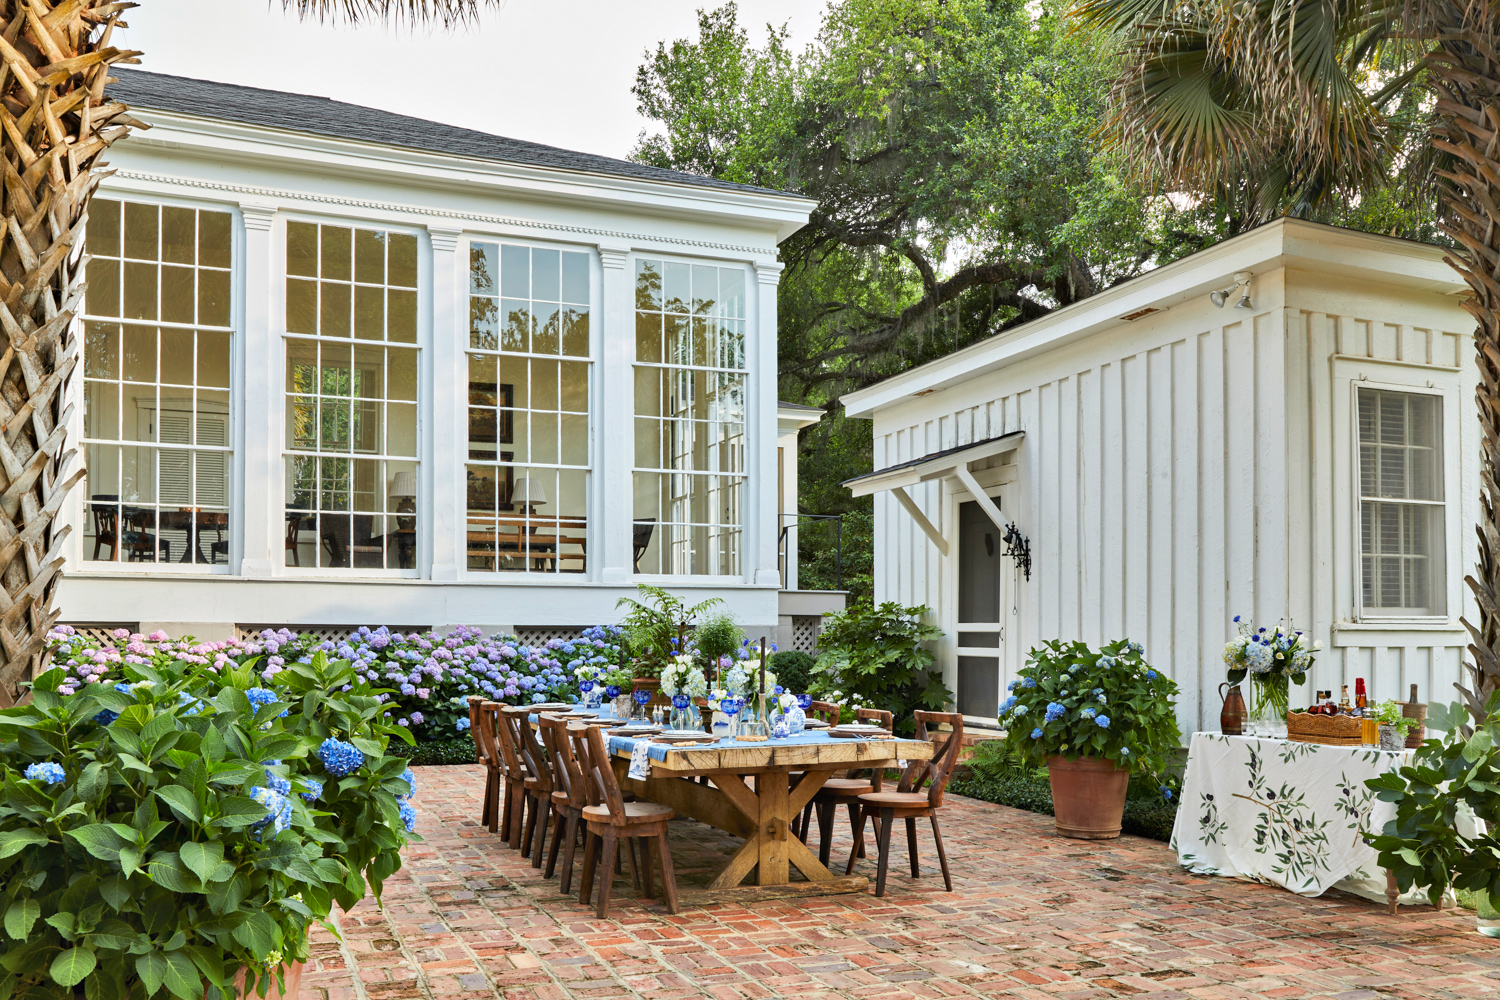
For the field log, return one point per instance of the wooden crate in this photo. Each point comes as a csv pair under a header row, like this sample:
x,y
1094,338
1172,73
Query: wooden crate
x,y
1330,730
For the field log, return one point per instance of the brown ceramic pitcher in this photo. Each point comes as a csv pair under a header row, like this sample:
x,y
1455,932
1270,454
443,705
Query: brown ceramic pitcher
x,y
1232,715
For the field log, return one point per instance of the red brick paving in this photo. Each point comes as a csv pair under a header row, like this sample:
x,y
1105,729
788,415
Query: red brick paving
x,y
1034,917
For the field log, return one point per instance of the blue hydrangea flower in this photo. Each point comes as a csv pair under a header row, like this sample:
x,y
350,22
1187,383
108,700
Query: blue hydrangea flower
x,y
1021,710
312,789
411,781
1151,675
264,696
276,805
409,817
340,758
1107,662
1087,713
1055,711
1102,722
1012,685
462,724
1103,700
105,717
1029,682
1036,733
1166,793
274,781
1137,648
1007,704
1124,751
51,773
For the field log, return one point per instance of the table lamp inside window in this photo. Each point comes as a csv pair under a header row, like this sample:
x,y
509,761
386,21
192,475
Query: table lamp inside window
x,y
528,494
404,493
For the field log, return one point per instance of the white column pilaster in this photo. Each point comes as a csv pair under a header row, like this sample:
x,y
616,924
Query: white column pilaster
x,y
611,523
445,382
761,500
260,358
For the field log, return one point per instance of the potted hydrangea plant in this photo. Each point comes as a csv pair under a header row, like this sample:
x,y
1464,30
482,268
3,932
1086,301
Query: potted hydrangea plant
x,y
1095,719
178,831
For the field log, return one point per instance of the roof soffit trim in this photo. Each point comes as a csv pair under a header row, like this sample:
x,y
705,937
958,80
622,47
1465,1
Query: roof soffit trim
x,y
1285,243
563,232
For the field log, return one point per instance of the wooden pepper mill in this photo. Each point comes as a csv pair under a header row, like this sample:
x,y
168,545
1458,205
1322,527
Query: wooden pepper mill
x,y
1232,715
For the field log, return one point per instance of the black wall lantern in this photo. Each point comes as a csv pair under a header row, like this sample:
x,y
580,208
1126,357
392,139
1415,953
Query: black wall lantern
x,y
1018,548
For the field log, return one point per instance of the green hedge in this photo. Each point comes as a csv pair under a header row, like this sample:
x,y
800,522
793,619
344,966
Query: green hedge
x,y
1146,814
460,751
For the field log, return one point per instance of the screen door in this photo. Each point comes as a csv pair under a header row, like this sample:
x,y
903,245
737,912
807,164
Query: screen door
x,y
981,635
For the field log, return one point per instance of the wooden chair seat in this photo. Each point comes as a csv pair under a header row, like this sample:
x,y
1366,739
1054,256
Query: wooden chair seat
x,y
847,788
635,813
896,800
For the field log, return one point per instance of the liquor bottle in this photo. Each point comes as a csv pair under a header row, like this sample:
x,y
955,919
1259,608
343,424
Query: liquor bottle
x,y
1360,702
1344,708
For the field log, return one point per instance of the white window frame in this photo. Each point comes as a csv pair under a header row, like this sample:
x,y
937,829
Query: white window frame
x,y
593,509
749,475
280,336
1350,376
79,564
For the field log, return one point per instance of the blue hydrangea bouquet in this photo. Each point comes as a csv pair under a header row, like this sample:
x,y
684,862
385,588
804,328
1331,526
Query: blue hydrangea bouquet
x,y
1273,659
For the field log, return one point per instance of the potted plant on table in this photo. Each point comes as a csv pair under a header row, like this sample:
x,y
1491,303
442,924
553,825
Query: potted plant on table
x,y
1095,719
1273,659
1394,727
176,833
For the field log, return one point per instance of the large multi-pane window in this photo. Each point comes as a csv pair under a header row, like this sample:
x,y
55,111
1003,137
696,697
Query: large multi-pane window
x,y
351,397
689,417
157,336
1402,512
527,476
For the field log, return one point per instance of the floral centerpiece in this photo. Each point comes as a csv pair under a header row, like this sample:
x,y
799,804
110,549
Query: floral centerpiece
x,y
1095,719
180,828
1273,658
683,681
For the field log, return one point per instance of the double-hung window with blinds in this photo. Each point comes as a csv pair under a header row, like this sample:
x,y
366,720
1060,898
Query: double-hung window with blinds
x,y
1402,513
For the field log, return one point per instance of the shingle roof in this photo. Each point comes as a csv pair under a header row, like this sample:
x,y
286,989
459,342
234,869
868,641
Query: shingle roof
x,y
326,117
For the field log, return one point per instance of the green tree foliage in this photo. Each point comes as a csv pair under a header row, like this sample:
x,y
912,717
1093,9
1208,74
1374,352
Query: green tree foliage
x,y
951,148
879,657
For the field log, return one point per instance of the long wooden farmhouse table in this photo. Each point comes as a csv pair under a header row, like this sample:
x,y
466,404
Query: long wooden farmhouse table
x,y
755,790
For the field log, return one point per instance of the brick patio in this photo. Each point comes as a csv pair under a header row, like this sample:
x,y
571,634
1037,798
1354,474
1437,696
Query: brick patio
x,y
1034,916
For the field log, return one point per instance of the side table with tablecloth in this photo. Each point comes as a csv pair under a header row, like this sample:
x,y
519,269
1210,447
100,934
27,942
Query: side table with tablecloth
x,y
1284,813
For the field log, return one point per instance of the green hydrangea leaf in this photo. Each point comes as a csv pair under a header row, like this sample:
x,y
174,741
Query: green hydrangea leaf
x,y
72,966
183,802
19,917
15,841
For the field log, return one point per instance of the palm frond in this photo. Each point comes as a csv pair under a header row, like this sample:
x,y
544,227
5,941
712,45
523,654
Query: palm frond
x,y
447,13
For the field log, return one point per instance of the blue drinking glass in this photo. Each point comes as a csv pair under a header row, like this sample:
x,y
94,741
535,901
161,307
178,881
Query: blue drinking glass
x,y
804,701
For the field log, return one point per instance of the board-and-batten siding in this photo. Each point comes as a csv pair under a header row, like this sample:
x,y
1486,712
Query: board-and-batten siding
x,y
1170,480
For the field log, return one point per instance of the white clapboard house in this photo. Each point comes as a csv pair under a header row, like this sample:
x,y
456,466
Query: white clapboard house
x,y
346,367
1307,451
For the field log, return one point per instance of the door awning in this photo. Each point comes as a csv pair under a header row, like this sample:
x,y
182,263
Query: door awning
x,y
950,463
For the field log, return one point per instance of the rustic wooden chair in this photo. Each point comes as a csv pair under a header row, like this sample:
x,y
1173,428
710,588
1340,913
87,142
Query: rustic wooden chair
x,y
611,820
482,726
827,711
531,797
539,785
910,800
515,776
845,791
568,798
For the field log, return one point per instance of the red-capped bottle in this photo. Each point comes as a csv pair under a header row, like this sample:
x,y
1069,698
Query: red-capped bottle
x,y
1360,701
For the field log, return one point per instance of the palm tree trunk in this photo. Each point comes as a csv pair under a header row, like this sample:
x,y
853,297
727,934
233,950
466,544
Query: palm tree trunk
x,y
1467,80
55,123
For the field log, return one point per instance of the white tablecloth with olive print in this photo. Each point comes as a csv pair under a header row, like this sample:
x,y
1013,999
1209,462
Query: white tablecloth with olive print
x,y
1289,814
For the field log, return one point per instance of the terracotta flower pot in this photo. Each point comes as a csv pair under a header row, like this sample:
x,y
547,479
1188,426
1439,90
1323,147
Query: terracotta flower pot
x,y
1088,796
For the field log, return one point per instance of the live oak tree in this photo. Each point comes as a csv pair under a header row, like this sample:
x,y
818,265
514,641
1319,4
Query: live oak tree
x,y
56,122
1284,107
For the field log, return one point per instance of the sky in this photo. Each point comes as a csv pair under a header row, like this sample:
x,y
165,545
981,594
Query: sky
x,y
551,71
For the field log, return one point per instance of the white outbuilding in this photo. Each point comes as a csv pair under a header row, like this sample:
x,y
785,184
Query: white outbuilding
x,y
1280,426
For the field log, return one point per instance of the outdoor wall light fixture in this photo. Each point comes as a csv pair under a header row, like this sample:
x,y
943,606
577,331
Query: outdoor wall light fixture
x,y
1017,547
1241,280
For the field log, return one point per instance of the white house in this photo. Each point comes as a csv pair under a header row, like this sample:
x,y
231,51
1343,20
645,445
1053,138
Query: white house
x,y
1305,452
344,367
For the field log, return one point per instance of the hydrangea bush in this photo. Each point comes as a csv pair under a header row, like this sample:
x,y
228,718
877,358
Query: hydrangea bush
x,y
429,677
1072,702
164,832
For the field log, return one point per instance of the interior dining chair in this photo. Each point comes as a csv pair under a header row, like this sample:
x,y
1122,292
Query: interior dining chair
x,y
482,725
911,801
612,820
539,785
845,790
515,776
568,797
